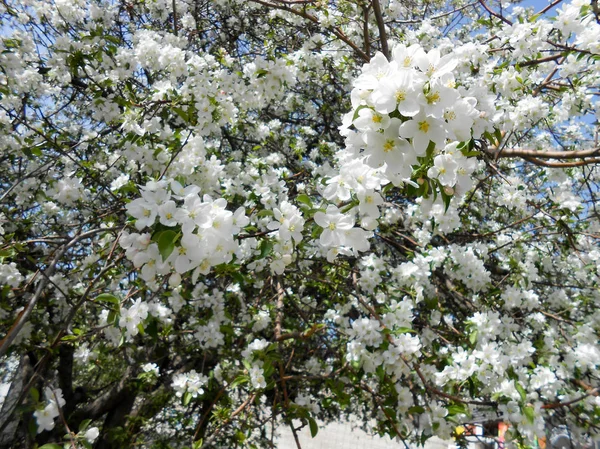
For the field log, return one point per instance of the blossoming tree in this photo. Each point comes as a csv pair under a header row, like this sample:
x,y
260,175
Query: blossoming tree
x,y
222,217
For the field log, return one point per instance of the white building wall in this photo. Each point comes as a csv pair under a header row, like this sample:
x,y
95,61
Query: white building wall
x,y
341,436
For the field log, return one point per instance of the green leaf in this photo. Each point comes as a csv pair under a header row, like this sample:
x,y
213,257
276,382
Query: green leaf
x,y
314,428
238,381
457,409
416,409
84,424
108,298
521,391
240,436
112,317
238,278
35,394
166,243
69,338
265,213
36,151
498,135
446,198
473,337
7,252
529,413
265,248
182,114
471,153
187,398
226,329
261,73
355,116
51,446
304,199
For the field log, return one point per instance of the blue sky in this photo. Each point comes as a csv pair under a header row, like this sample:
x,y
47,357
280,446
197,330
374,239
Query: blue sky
x,y
538,5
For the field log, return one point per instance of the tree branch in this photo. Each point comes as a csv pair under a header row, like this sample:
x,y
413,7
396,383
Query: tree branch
x,y
381,26
336,31
7,341
525,153
104,403
543,163
366,37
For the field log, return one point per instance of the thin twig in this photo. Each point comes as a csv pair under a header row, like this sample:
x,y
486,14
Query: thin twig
x,y
295,436
548,8
335,30
495,14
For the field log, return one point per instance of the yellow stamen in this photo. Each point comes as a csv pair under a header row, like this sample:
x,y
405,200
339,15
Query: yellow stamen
x,y
433,98
450,115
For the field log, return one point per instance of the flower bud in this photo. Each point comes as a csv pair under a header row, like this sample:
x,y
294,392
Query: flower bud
x,y
175,280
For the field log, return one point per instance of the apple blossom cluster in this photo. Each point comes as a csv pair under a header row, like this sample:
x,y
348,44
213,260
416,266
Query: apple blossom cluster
x,y
45,417
520,105
468,268
340,235
288,225
132,317
255,365
208,332
414,123
190,382
10,275
366,345
197,231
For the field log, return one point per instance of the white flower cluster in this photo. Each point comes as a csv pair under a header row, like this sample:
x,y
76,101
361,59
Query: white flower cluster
x,y
45,417
468,268
366,336
255,367
257,375
67,191
340,234
289,225
202,230
191,382
267,77
131,318
409,113
304,400
9,275
256,345
151,368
